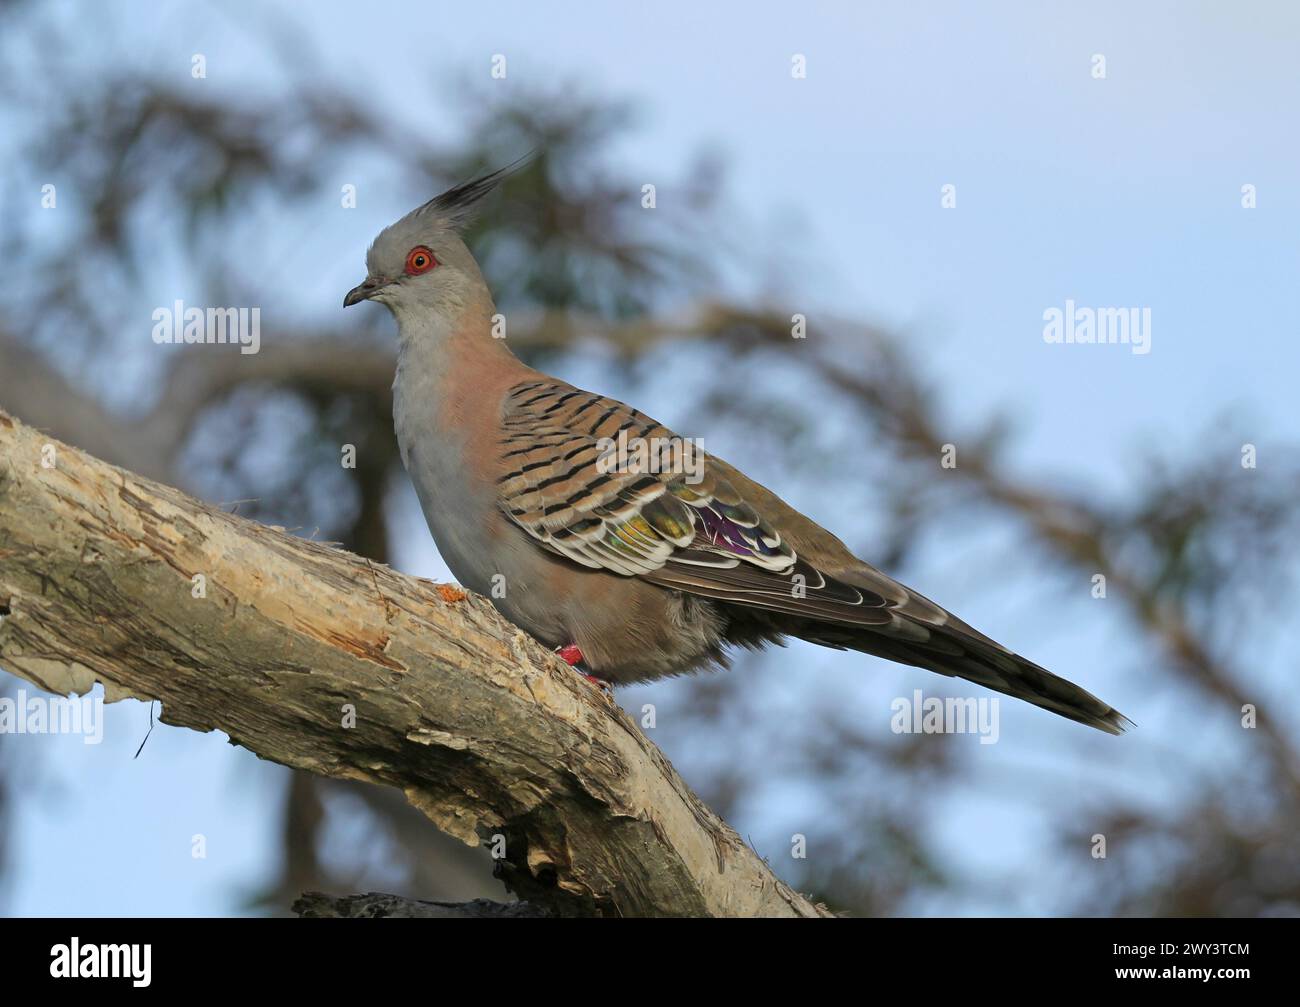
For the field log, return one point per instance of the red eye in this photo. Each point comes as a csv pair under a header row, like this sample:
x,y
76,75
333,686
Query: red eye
x,y
419,260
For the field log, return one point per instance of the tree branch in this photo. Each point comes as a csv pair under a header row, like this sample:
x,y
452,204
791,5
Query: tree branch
x,y
481,728
376,905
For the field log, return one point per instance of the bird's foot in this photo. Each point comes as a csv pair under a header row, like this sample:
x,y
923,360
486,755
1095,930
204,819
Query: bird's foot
x,y
571,654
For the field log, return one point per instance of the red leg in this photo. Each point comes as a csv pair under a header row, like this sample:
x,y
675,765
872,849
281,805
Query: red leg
x,y
571,654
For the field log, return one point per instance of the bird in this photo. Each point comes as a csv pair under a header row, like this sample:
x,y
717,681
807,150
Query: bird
x,y
630,570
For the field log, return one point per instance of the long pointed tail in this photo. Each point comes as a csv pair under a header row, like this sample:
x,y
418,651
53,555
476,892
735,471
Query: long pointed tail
x,y
959,655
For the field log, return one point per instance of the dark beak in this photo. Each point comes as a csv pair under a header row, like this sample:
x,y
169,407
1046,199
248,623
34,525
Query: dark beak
x,y
364,292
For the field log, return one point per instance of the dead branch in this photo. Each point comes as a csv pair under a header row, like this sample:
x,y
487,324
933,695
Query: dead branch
x,y
314,658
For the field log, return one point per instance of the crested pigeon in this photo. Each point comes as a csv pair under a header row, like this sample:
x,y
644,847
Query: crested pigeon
x,y
631,572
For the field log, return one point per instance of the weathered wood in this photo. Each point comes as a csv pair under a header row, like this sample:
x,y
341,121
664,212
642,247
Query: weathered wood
x,y
481,728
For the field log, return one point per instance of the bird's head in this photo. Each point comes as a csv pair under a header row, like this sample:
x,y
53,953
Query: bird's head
x,y
420,264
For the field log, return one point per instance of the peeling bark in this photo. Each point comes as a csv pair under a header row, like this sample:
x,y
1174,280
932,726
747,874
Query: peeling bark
x,y
484,731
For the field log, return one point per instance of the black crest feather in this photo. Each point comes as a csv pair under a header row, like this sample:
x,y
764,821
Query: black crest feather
x,y
457,203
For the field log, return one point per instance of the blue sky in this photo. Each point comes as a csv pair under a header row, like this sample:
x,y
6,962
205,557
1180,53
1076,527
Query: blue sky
x,y
1124,191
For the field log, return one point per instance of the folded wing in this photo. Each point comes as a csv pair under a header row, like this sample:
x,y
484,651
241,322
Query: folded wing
x,y
605,486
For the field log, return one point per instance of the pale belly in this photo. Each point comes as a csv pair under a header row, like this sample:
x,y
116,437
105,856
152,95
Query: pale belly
x,y
627,629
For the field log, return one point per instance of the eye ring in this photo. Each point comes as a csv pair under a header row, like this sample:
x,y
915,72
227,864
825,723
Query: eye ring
x,y
419,260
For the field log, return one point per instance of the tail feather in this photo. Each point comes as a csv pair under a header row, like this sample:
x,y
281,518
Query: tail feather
x,y
862,609
981,663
